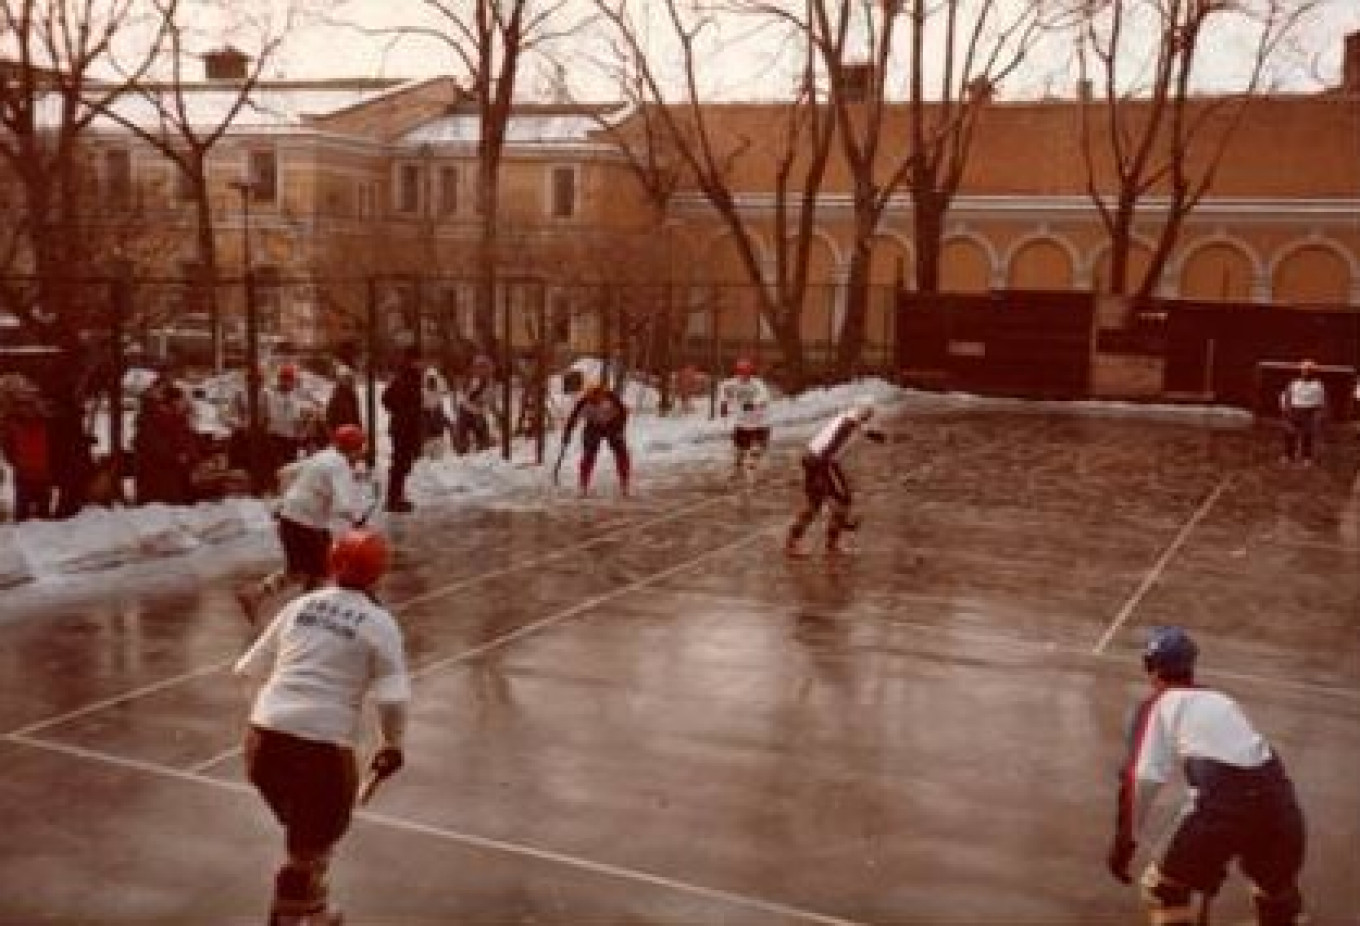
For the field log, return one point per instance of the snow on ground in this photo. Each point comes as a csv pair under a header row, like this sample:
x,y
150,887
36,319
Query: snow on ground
x,y
48,553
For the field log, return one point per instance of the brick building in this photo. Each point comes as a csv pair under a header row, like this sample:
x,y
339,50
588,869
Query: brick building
x,y
353,178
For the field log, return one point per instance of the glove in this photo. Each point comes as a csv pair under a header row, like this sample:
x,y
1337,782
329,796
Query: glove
x,y
386,762
1121,855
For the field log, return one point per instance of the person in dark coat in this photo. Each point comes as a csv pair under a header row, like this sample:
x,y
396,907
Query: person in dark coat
x,y
405,425
72,457
342,407
164,446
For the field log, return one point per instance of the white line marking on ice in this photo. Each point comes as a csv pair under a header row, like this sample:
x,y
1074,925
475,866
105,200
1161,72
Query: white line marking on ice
x,y
1159,567
604,869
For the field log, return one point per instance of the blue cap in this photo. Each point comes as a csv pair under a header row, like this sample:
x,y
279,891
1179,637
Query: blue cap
x,y
1170,651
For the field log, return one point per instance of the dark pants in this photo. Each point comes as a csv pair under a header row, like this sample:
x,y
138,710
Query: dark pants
x,y
823,481
32,498
1250,815
470,432
404,455
306,551
1303,430
310,787
591,439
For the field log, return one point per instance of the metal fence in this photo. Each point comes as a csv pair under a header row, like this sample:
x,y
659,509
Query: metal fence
x,y
681,342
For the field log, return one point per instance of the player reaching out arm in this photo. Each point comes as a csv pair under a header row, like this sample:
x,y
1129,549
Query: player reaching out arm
x,y
320,657
824,482
746,397
1241,806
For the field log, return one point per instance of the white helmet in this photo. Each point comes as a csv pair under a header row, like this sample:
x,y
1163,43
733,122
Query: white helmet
x,y
863,407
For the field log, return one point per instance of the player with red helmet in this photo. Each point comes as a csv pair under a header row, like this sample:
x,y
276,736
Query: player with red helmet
x,y
747,398
317,492
320,658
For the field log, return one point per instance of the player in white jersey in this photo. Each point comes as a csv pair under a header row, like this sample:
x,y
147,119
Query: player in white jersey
x,y
1303,404
1241,803
317,492
746,397
320,658
825,482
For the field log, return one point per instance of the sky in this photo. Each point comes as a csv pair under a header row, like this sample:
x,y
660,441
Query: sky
x,y
41,559
750,71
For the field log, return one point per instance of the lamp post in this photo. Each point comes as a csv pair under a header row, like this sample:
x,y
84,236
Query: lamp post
x,y
246,187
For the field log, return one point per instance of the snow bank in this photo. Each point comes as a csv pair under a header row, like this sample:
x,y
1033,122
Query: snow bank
x,y
102,538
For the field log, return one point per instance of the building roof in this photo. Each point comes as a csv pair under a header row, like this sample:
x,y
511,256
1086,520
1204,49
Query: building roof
x,y
272,104
553,126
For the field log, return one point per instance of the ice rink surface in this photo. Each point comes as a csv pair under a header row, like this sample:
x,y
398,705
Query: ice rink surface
x,y
636,711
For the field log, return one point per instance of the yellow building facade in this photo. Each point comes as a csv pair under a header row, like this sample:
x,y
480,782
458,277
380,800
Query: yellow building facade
x,y
355,179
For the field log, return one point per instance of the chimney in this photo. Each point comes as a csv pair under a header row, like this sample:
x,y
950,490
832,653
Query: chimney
x,y
1350,64
226,63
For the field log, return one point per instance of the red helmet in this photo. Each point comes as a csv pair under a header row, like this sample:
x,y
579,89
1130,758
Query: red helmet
x,y
358,559
349,438
744,367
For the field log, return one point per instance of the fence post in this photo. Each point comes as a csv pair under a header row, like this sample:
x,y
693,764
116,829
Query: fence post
x,y
370,373
507,371
121,297
253,455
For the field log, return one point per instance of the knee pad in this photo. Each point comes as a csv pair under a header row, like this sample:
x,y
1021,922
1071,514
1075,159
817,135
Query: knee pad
x,y
1282,908
1168,902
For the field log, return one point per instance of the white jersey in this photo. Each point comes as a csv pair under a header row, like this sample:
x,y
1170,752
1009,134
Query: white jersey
x,y
321,656
283,412
1304,394
321,489
748,399
831,442
1180,724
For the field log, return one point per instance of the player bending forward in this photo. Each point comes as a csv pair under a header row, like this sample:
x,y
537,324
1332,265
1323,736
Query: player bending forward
x,y
1241,805
747,397
321,656
825,482
319,490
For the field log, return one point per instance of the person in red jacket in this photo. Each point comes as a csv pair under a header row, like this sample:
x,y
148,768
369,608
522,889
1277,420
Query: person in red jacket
x,y
26,443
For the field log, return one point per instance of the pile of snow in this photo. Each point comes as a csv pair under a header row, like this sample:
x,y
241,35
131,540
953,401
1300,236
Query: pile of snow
x,y
102,538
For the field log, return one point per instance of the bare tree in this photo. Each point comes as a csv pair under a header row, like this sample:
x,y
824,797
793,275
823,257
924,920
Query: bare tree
x,y
490,39
707,151
1150,129
980,42
53,85
187,134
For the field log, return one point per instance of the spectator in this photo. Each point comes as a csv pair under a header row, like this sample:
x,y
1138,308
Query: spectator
x,y
472,426
164,446
1304,404
72,457
342,407
26,443
402,400
433,391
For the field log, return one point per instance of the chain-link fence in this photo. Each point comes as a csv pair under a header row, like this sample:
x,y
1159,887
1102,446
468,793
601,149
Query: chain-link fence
x,y
112,336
